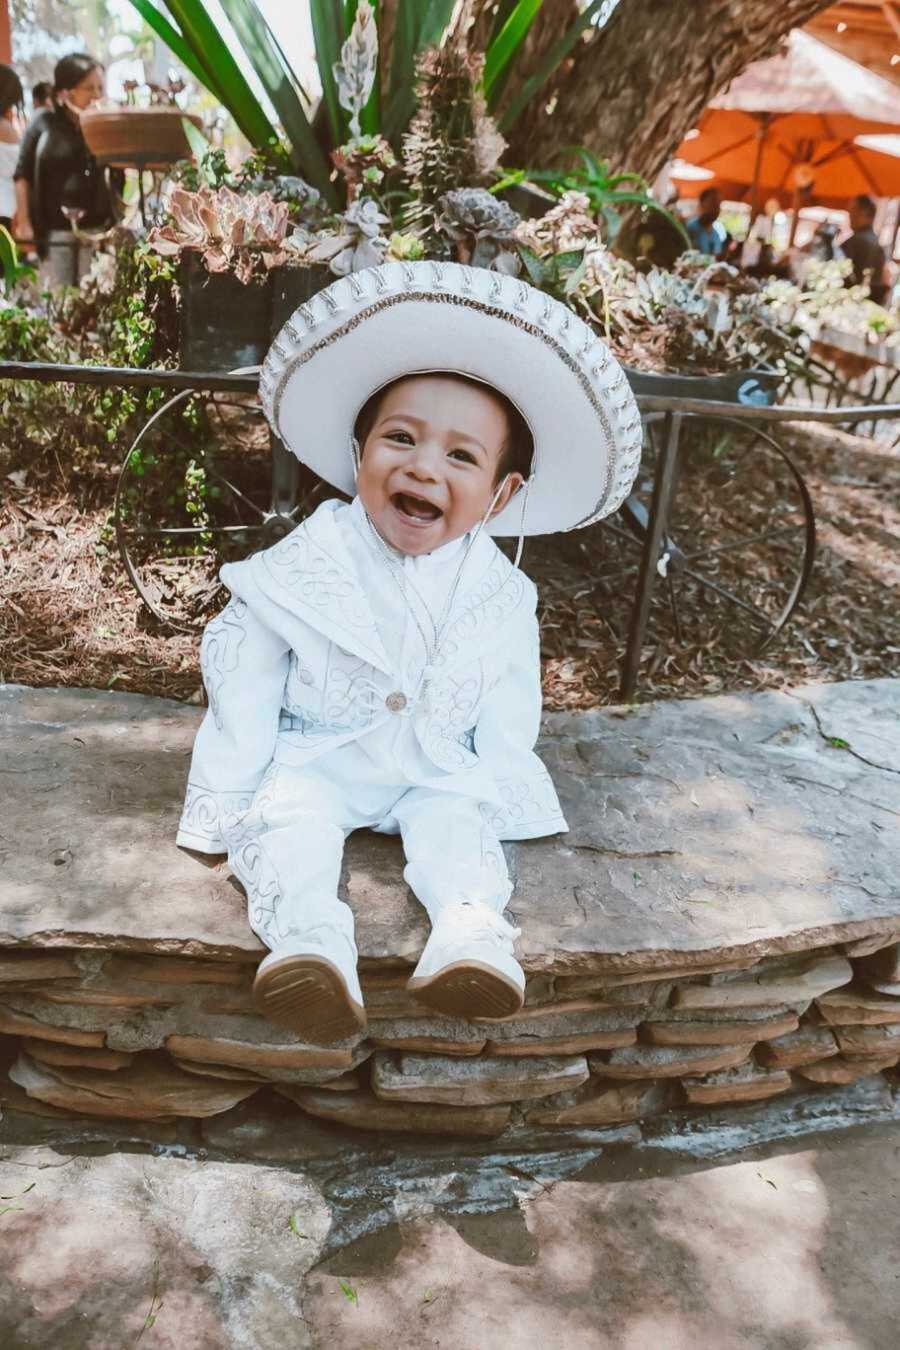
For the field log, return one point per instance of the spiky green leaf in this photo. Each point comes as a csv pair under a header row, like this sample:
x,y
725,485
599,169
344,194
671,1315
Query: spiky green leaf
x,y
195,139
328,32
176,44
277,77
224,75
558,52
508,41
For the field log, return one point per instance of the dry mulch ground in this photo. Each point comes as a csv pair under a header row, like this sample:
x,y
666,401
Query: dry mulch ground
x,y
70,617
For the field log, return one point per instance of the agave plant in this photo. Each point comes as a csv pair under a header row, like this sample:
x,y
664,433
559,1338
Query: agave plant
x,y
231,231
356,99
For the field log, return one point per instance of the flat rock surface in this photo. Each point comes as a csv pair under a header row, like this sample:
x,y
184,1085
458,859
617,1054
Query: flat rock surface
x,y
101,1253
730,825
793,1246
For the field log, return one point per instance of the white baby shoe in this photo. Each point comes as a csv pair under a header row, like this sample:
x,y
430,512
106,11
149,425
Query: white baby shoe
x,y
467,968
309,984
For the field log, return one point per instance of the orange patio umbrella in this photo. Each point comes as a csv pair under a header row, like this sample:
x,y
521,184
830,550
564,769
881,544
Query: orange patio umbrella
x,y
789,125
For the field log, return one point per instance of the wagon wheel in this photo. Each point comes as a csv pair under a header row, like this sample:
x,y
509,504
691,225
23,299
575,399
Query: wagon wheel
x,y
204,483
741,537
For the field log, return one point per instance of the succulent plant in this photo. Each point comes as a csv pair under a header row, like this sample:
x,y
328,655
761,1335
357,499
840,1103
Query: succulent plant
x,y
355,73
358,242
244,233
406,247
452,139
567,226
363,162
305,202
481,227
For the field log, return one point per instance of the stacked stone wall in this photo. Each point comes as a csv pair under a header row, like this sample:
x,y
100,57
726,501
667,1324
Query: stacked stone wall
x,y
152,1038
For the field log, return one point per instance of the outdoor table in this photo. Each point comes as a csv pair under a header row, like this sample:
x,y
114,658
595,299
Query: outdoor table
x,y
674,412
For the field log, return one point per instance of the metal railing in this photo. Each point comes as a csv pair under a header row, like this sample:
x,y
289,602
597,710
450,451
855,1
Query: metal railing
x,y
672,411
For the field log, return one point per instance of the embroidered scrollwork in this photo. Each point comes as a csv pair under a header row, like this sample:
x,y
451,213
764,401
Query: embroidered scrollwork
x,y
220,651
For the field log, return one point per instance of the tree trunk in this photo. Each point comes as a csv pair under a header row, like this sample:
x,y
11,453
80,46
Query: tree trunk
x,y
631,90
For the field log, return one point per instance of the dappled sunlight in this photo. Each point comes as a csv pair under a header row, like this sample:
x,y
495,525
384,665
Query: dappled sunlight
x,y
720,1258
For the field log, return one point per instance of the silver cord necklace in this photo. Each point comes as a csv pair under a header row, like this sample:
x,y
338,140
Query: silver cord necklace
x,y
398,701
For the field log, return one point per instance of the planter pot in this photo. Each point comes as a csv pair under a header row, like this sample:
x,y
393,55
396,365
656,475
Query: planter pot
x,y
735,386
145,137
226,325
292,287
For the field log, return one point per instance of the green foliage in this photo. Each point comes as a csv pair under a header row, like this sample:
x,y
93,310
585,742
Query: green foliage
x,y
126,318
420,25
14,272
503,48
195,39
608,193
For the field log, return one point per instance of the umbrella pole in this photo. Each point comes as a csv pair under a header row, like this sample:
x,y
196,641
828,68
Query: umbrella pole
x,y
795,217
761,134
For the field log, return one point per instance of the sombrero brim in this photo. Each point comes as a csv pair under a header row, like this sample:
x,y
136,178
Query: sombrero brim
x,y
373,327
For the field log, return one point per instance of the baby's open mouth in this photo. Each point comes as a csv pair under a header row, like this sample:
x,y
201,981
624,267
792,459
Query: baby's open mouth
x,y
417,508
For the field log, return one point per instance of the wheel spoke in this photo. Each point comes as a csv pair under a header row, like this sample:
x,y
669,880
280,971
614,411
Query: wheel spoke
x,y
214,473
743,543
728,595
673,605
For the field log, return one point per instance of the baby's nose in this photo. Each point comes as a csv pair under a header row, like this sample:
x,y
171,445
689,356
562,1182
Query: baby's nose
x,y
425,464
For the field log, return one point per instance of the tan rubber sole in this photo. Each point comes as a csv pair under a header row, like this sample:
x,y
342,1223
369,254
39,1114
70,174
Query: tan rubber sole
x,y
468,989
308,995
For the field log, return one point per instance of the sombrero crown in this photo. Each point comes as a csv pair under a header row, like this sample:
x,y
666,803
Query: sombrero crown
x,y
370,328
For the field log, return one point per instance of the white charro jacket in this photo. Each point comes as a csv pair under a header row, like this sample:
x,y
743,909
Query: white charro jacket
x,y
295,668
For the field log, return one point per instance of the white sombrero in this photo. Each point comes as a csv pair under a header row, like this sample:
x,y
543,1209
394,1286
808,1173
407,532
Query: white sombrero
x,y
370,328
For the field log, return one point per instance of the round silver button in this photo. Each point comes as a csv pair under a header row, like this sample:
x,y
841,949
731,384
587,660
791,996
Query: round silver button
x,y
395,702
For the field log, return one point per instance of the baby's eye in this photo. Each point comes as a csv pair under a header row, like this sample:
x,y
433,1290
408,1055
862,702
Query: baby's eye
x,y
465,456
400,437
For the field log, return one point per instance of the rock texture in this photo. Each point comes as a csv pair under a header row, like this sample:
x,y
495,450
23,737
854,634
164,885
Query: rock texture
x,y
473,1082
651,798
709,933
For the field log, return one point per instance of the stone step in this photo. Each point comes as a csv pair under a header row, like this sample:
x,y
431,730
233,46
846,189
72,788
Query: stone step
x,y
708,933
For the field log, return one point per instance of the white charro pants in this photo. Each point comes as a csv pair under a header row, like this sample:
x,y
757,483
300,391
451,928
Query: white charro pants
x,y
288,849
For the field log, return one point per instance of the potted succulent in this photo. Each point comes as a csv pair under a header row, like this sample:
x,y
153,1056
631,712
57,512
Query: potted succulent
x,y
149,135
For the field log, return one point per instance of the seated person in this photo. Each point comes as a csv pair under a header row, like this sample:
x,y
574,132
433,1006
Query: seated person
x,y
707,233
380,667
864,250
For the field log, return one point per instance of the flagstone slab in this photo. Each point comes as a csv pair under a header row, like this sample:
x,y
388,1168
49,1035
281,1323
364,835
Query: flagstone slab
x,y
745,1084
150,1088
362,1110
847,1068
473,1082
858,1006
658,1061
806,1046
717,1033
701,831
600,1104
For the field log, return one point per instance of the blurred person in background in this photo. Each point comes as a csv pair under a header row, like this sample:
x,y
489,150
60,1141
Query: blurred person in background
x,y
41,96
864,250
57,178
11,119
707,233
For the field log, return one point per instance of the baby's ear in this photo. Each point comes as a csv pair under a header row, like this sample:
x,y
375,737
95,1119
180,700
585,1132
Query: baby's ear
x,y
510,487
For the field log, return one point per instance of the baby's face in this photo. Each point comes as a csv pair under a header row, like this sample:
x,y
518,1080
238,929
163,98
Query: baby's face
x,y
429,464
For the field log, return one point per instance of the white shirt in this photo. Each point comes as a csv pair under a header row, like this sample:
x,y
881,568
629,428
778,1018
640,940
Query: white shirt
x,y
431,577
9,156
